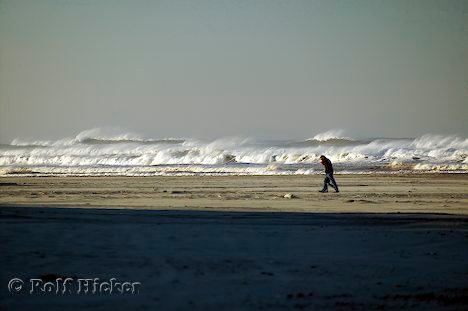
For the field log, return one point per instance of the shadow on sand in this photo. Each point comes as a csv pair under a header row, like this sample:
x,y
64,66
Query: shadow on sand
x,y
231,260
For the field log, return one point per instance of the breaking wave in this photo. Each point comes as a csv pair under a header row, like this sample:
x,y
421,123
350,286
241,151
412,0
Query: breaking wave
x,y
95,136
336,134
113,152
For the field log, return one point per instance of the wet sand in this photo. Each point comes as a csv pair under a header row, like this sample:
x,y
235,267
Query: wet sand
x,y
235,243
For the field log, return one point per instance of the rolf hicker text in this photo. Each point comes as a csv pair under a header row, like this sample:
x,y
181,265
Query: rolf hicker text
x,y
81,286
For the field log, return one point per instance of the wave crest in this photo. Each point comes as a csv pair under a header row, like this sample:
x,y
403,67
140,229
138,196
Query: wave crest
x,y
98,148
335,134
104,135
107,134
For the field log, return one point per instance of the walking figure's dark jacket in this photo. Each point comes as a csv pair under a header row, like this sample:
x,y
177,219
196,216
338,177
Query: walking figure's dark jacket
x,y
328,166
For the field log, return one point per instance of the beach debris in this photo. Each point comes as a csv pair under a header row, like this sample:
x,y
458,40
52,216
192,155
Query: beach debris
x,y
8,184
289,196
177,192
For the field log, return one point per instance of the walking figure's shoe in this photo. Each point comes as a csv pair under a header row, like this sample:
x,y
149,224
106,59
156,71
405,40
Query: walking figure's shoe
x,y
323,191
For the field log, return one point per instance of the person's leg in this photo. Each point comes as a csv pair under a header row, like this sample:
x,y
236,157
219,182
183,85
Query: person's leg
x,y
325,184
333,182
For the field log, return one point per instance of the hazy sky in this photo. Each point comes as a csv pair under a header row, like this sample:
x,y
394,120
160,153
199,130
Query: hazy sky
x,y
268,69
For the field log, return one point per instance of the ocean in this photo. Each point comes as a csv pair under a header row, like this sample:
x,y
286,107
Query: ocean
x,y
96,152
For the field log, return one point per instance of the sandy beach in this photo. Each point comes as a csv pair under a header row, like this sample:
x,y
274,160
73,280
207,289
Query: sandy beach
x,y
392,193
385,242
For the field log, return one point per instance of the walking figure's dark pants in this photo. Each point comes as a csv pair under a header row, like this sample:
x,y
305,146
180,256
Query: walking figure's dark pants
x,y
329,180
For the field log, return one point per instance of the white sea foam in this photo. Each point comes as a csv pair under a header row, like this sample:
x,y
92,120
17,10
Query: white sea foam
x,y
331,135
109,152
107,134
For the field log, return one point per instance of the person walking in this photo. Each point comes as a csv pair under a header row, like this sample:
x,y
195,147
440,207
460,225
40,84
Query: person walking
x,y
329,179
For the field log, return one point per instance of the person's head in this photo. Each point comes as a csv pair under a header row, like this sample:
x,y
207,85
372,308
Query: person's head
x,y
322,159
